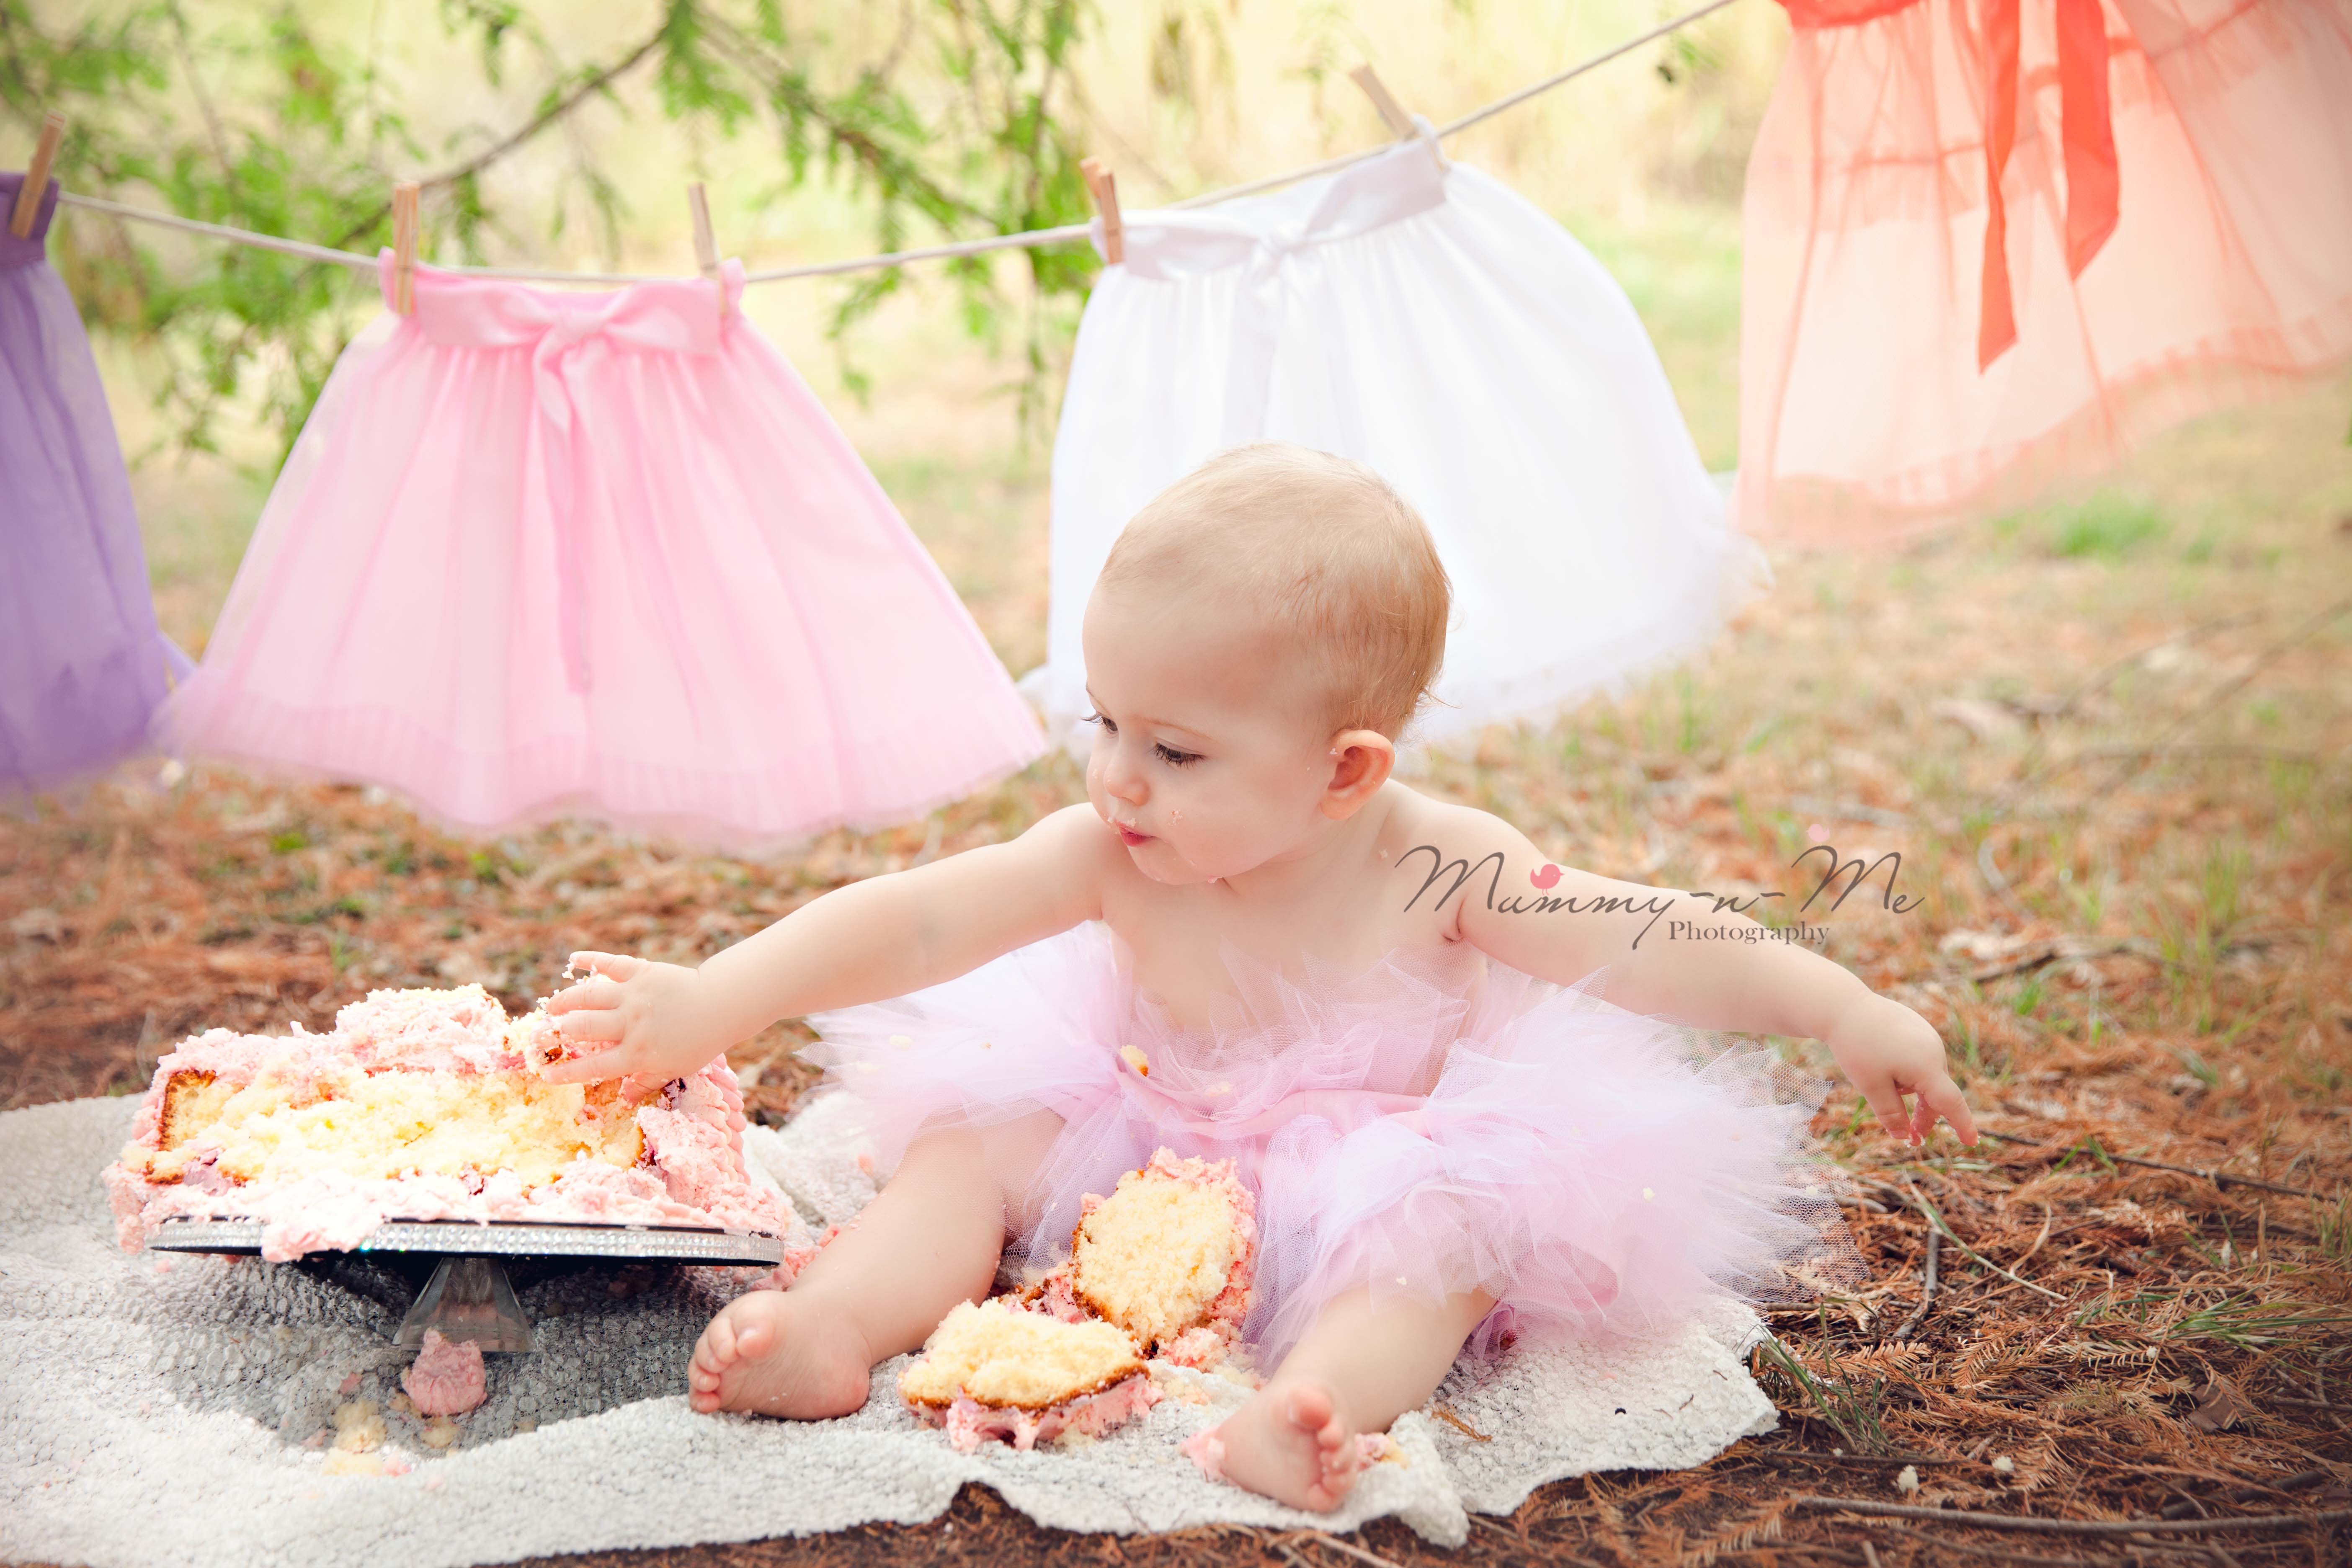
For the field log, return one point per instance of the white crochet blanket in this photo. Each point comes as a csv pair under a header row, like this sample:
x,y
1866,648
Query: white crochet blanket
x,y
155,1411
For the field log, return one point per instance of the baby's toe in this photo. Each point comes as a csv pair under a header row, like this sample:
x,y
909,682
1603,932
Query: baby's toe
x,y
755,1338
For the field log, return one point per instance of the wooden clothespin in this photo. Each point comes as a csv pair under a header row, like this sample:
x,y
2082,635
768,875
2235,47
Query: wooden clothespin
x,y
403,247
1104,187
706,240
1392,113
36,176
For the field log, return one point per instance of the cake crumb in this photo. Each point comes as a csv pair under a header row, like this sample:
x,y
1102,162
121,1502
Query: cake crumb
x,y
440,1432
350,1386
403,1404
358,1427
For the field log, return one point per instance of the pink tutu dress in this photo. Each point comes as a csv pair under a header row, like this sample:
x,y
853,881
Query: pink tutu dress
x,y
1416,1129
541,554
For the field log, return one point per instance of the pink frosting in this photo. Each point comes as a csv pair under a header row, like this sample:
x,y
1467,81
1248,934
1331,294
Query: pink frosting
x,y
969,1423
446,1379
693,1172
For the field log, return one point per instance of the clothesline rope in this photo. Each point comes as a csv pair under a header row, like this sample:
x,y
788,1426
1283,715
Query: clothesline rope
x,y
1026,239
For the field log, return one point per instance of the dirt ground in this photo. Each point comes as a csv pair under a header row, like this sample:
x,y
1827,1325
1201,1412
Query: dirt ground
x,y
2109,741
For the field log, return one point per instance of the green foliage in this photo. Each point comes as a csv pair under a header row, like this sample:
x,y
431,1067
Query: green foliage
x,y
252,118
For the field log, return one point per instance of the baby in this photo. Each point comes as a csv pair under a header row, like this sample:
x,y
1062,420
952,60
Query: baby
x,y
1459,1077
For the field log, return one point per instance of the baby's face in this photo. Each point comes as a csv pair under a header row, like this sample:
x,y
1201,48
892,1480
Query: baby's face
x,y
1213,754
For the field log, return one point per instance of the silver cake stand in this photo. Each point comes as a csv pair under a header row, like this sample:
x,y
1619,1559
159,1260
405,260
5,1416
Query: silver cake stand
x,y
469,1296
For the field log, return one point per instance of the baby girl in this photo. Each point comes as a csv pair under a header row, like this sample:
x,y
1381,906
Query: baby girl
x,y
1463,1081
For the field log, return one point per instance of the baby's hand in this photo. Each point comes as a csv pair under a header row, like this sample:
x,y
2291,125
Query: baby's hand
x,y
1889,1051
658,1018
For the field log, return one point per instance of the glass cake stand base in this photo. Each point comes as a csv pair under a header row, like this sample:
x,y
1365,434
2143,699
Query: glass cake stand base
x,y
469,1296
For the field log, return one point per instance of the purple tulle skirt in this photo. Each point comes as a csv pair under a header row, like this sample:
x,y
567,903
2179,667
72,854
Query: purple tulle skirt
x,y
1437,1124
82,666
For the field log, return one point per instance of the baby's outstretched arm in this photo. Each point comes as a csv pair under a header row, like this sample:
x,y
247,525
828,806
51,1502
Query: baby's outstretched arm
x,y
866,941
1662,961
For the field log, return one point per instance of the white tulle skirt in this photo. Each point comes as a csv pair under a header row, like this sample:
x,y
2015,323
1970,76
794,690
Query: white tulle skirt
x,y
1416,1131
1443,330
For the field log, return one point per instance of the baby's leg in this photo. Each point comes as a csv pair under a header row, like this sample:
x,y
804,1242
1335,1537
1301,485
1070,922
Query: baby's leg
x,y
929,1239
1359,1368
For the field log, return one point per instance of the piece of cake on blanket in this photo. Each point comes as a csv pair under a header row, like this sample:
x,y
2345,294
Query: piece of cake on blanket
x,y
1162,1266
427,1105
997,1370
1170,1256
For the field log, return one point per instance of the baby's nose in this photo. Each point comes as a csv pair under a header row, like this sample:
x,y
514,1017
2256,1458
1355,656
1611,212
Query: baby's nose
x,y
1119,779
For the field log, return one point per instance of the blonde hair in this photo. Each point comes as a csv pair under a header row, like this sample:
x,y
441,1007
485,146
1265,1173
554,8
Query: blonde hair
x,y
1329,549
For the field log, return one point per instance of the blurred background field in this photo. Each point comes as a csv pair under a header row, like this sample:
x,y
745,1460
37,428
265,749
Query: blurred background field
x,y
2108,737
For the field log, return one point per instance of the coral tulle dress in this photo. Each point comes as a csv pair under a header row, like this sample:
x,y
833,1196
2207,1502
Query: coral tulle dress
x,y
541,554
2170,231
1417,1130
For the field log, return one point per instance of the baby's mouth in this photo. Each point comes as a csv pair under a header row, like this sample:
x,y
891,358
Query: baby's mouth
x,y
1130,837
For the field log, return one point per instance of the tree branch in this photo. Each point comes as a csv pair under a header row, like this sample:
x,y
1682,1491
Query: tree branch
x,y
555,111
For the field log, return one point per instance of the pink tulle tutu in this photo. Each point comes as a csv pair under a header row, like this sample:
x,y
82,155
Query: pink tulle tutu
x,y
1412,1130
542,554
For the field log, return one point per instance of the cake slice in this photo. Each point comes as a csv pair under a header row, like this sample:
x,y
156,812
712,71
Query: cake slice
x,y
1168,1256
997,1370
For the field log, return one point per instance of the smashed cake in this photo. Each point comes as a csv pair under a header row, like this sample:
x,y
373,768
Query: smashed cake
x,y
1170,1256
426,1105
997,1370
1162,1268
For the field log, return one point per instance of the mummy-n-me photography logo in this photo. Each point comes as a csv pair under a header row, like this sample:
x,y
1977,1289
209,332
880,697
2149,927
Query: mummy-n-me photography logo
x,y
1465,871
1693,930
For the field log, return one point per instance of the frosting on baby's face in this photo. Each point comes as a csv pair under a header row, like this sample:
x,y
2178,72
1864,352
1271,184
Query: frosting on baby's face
x,y
1213,754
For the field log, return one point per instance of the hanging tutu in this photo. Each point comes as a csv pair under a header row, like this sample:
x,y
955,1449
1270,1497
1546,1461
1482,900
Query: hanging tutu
x,y
1434,325
1416,1131
2172,233
597,554
82,665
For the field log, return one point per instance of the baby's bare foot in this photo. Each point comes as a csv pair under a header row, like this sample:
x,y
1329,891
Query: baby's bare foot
x,y
1290,1444
778,1352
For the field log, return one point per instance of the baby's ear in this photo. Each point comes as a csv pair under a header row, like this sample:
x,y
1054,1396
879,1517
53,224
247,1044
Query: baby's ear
x,y
1361,761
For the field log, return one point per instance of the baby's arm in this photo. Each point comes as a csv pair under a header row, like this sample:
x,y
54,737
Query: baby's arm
x,y
868,940
1649,939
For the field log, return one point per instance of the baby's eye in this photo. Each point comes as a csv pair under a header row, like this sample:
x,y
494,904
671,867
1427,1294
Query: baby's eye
x,y
1174,758
1099,719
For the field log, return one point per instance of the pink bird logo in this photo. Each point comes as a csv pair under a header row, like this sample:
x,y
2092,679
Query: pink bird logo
x,y
1545,878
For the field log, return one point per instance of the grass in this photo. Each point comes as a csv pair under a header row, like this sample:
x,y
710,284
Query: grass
x,y
1852,1406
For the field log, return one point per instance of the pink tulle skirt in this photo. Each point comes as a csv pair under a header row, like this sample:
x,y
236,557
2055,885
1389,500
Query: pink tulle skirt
x,y
543,555
1414,1130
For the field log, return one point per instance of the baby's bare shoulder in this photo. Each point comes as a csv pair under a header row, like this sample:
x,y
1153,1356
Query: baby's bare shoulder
x,y
1414,819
